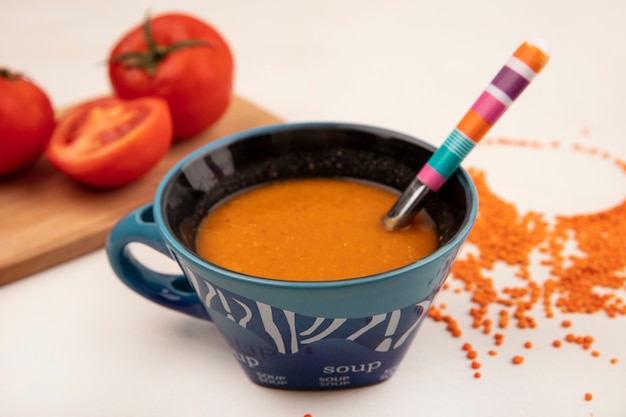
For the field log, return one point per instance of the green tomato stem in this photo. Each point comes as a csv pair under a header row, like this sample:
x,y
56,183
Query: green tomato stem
x,y
9,75
150,59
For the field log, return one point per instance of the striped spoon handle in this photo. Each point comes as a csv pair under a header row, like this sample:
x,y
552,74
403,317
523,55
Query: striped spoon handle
x,y
519,70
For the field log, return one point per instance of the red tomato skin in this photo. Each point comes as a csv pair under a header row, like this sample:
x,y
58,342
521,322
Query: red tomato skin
x,y
26,123
120,162
196,82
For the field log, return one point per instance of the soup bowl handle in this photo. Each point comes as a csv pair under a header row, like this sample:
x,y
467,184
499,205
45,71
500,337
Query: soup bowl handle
x,y
169,290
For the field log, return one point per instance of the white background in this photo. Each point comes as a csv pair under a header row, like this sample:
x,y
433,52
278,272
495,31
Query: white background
x,y
75,342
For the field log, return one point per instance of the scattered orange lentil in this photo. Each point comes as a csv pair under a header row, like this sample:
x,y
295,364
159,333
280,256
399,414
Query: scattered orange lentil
x,y
595,353
517,360
486,326
586,283
472,354
477,375
518,142
492,353
588,397
528,345
503,320
584,341
453,325
476,365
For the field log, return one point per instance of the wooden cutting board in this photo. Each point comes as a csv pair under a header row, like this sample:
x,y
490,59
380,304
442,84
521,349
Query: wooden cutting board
x,y
47,219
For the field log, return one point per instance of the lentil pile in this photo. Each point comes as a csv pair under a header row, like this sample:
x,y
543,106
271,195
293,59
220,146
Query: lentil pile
x,y
592,280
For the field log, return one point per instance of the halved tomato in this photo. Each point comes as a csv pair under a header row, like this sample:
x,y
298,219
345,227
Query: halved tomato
x,y
110,142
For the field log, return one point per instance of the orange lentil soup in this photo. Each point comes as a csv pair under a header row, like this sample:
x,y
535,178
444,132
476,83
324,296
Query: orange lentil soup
x,y
311,230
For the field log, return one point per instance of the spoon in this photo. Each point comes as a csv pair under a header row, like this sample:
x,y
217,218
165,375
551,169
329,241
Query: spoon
x,y
520,69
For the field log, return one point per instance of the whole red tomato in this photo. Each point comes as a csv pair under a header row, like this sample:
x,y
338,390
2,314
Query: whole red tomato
x,y
110,142
181,59
26,122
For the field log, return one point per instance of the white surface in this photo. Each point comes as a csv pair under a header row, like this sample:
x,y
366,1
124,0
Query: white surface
x,y
75,342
